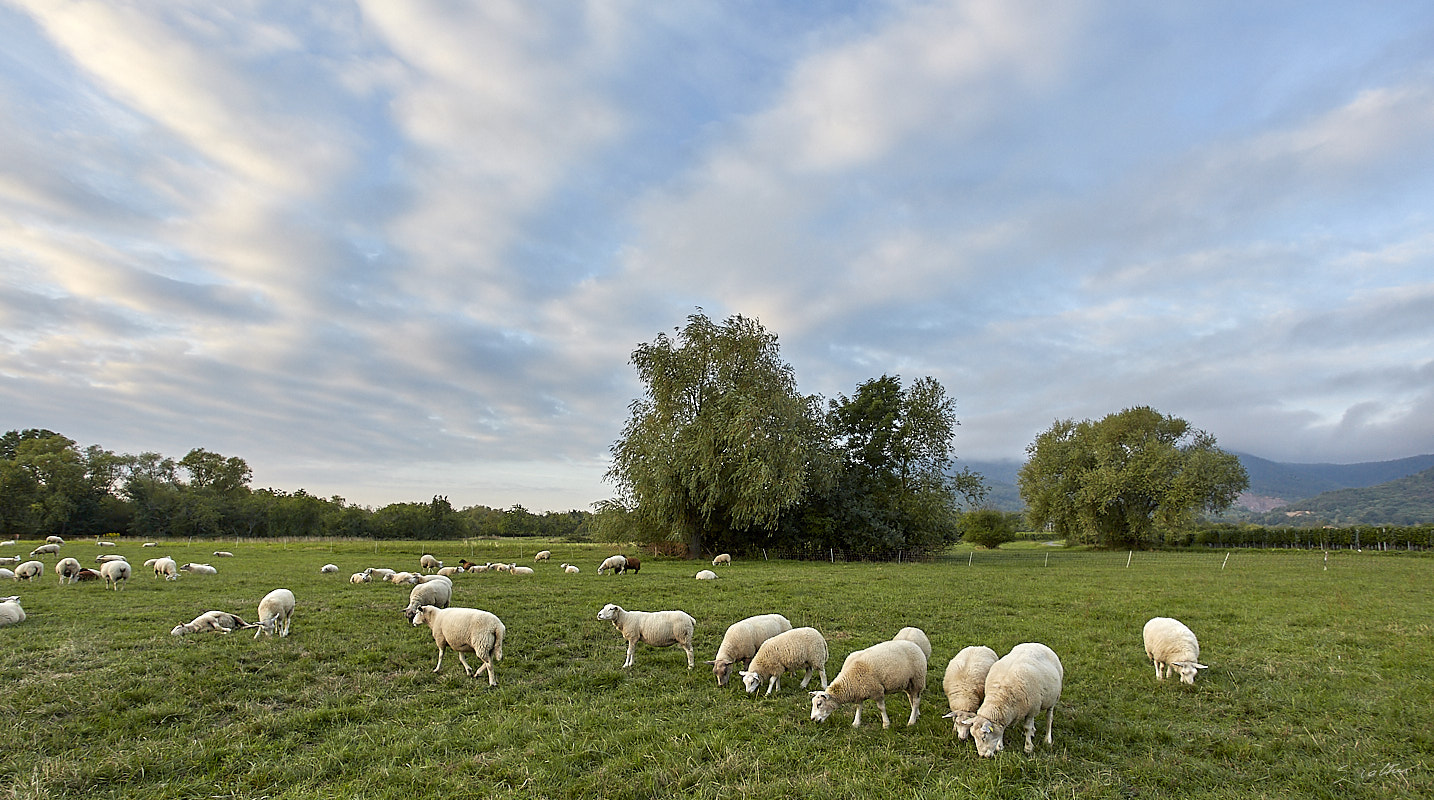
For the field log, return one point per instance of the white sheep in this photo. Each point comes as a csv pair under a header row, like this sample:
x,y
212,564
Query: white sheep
x,y
104,544
45,550
799,648
166,568
741,641
430,593
570,569
543,555
276,611
155,544
114,572
615,563
498,567
723,558
1172,647
480,568
871,674
400,578
199,569
54,540
450,571
359,577
10,611
379,573
914,635
706,575
466,630
103,557
68,569
655,628
8,543
514,569
328,569
1020,685
11,559
220,621
217,553
427,561
29,570
6,572
965,685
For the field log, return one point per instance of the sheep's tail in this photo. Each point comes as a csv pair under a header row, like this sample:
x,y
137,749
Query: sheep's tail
x,y
497,645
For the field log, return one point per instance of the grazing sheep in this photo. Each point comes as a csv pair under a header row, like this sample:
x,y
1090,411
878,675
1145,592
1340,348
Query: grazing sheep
x,y
724,558
1172,647
67,569
54,540
799,648
29,570
45,550
914,635
871,674
706,575
165,567
615,563
10,611
466,630
103,557
114,572
1020,685
87,575
570,569
218,553
965,685
359,577
220,621
428,562
741,641
542,555
5,572
655,628
328,568
432,593
276,611
199,569
634,565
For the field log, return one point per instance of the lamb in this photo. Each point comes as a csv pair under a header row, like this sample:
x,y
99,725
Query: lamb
x,y
655,628
217,553
742,640
871,674
1020,685
276,611
706,575
634,565
542,555
114,572
724,558
570,569
29,570
199,569
221,621
328,569
10,611
67,569
1172,647
359,577
45,550
965,685
166,567
799,648
154,544
915,635
466,630
615,563
427,561
430,593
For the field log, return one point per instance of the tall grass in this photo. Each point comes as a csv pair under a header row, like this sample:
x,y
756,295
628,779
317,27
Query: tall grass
x,y
1320,681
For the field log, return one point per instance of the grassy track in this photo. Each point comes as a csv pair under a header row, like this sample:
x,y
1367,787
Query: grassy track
x,y
1320,683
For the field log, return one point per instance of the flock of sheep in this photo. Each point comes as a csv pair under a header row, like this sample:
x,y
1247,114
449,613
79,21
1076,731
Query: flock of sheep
x,y
986,693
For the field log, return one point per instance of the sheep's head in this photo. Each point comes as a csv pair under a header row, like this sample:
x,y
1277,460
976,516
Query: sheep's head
x,y
960,722
990,737
179,630
722,669
823,704
609,611
1188,670
751,681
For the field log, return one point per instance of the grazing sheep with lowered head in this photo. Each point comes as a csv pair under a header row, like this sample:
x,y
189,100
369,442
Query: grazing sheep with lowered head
x,y
166,568
276,611
429,593
68,569
29,570
1020,685
428,562
871,674
466,630
1172,647
115,572
54,540
655,628
45,550
219,621
741,641
965,685
724,558
615,563
542,555
799,648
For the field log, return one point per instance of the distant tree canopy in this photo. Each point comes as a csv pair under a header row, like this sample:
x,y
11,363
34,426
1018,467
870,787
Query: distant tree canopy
x,y
1126,480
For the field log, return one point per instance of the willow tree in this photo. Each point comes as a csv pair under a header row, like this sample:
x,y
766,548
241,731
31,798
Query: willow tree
x,y
720,440
1119,481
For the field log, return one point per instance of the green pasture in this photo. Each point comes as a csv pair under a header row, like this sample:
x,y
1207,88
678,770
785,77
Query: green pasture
x,y
1321,681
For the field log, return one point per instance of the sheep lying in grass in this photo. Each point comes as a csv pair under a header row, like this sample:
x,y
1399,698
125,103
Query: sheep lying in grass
x,y
379,573
276,611
102,543
570,569
328,569
615,563
217,553
706,575
965,685
514,569
154,544
430,593
724,558
914,635
655,628
7,573
359,577
542,555
68,569
871,674
219,621
799,648
741,641
1020,685
465,630
1172,647
29,570
8,543
103,557
10,611
114,572
199,569
449,572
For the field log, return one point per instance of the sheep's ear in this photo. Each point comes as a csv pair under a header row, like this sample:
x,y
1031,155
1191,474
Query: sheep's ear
x,y
949,715
709,662
1200,666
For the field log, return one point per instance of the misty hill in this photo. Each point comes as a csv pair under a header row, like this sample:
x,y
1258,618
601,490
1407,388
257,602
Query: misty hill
x,y
1403,501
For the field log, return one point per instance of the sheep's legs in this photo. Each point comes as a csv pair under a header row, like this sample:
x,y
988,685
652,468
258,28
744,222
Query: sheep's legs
x,y
467,670
1050,721
857,722
690,659
631,651
439,665
774,684
915,708
1030,730
881,706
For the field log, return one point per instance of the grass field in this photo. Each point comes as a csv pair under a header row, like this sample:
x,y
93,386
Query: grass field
x,y
1321,681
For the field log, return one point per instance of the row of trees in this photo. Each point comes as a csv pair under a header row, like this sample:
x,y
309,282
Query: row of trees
x,y
50,485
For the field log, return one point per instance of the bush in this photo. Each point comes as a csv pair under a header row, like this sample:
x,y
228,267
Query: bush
x,y
988,528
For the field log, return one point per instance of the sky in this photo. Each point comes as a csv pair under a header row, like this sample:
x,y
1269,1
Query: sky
x,y
387,251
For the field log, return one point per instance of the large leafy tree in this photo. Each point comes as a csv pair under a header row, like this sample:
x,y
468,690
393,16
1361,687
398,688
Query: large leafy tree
x,y
720,441
1124,480
48,485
